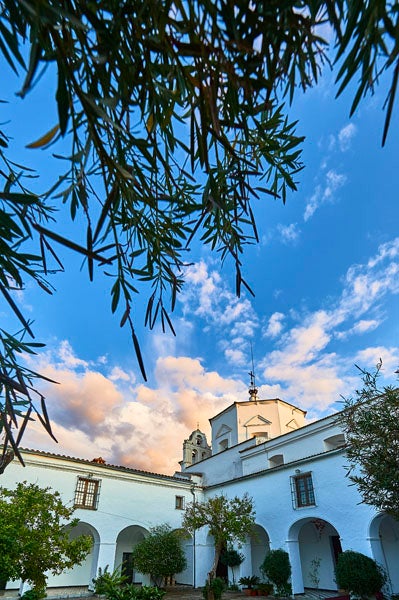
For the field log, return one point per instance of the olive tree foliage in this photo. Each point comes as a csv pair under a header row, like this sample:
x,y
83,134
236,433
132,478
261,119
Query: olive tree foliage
x,y
160,554
35,529
371,425
230,520
175,115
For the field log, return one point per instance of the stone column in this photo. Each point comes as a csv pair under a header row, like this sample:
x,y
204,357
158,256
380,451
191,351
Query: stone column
x,y
295,560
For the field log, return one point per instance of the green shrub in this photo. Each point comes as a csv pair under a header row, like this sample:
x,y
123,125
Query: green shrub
x,y
107,583
160,554
277,569
217,585
267,588
116,591
359,574
231,558
148,593
34,594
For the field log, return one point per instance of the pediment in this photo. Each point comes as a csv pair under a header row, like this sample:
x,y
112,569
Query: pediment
x,y
293,424
223,430
256,421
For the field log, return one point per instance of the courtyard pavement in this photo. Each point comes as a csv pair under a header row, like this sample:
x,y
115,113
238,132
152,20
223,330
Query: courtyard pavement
x,y
176,592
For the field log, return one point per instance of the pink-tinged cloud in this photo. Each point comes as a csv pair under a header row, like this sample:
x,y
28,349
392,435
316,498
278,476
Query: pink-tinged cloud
x,y
137,426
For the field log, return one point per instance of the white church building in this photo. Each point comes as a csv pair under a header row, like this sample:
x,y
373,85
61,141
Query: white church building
x,y
294,471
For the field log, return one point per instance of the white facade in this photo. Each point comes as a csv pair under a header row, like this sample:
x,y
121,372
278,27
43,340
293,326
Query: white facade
x,y
295,474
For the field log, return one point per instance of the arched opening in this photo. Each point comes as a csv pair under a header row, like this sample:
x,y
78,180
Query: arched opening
x,y
80,575
125,542
314,548
276,460
260,546
384,538
223,445
334,441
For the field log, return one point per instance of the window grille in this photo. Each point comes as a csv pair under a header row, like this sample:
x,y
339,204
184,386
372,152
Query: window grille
x,y
87,493
302,490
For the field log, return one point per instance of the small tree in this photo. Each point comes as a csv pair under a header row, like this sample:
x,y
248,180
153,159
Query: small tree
x,y
229,521
370,422
277,569
232,558
160,554
359,574
34,535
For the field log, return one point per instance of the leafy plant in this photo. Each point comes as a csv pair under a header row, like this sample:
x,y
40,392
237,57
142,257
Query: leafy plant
x,y
132,592
217,585
232,558
370,422
34,535
145,592
359,574
106,583
276,566
34,594
314,573
267,588
160,554
249,581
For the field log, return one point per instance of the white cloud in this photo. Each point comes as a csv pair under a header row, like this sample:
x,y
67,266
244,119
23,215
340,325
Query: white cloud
x,y
309,372
236,357
67,356
118,374
221,309
369,357
288,234
362,326
275,325
324,193
345,136
143,426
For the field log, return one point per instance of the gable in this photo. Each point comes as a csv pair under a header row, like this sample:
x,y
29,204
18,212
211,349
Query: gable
x,y
223,430
257,421
293,424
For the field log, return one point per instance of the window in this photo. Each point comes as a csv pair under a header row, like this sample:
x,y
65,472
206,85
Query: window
x,y
87,493
179,503
276,460
302,490
223,445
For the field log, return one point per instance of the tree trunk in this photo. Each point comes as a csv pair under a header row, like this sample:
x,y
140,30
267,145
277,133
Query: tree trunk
x,y
218,551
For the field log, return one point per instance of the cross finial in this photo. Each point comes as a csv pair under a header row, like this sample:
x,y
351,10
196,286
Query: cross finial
x,y
253,390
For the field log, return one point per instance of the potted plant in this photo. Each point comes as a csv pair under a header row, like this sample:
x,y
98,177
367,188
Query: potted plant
x,y
248,584
264,589
359,574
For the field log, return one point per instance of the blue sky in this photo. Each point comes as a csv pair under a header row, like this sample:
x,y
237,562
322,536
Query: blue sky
x,y
325,275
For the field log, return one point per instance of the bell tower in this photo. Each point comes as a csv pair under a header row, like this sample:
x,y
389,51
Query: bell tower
x,y
195,449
